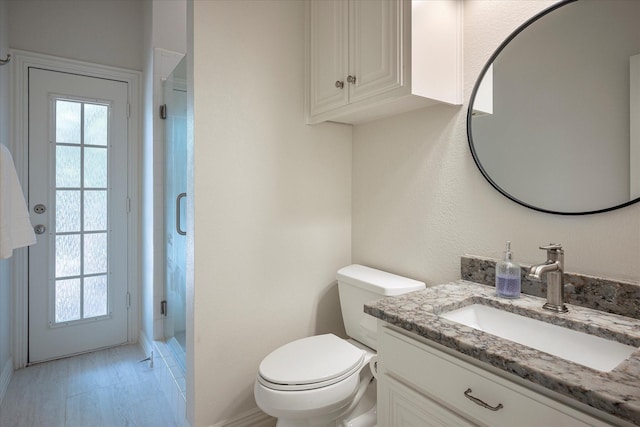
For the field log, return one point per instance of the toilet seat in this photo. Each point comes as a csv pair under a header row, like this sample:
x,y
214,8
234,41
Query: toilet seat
x,y
310,363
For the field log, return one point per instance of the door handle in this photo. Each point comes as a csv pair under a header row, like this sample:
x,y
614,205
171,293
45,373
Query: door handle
x,y
40,208
178,229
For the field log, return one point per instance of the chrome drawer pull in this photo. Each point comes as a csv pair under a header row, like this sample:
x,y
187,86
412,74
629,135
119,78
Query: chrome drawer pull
x,y
477,401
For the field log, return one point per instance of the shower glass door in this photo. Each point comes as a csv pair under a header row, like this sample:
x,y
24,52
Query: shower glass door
x,y
175,184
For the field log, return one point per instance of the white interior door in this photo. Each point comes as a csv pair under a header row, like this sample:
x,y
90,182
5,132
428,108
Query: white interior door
x,y
78,290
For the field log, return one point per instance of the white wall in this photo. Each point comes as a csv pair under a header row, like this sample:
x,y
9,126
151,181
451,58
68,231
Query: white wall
x,y
272,218
103,32
6,296
147,184
419,202
170,25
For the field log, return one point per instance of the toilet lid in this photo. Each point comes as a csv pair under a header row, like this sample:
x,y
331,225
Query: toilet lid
x,y
310,362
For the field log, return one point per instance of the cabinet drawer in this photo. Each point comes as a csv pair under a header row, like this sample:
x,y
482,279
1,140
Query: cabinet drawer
x,y
445,379
400,406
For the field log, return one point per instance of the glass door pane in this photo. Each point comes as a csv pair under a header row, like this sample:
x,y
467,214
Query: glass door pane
x,y
175,188
81,241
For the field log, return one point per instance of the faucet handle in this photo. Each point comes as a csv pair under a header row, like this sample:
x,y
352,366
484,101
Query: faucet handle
x,y
552,247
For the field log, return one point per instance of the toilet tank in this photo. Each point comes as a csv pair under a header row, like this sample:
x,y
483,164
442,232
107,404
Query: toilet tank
x,y
358,285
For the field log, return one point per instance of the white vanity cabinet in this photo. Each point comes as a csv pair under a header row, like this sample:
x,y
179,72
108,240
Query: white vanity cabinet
x,y
368,59
419,384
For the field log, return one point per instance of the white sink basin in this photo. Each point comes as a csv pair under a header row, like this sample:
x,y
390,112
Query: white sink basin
x,y
588,350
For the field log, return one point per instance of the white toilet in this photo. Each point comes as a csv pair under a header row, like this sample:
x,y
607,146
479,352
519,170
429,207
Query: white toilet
x,y
324,380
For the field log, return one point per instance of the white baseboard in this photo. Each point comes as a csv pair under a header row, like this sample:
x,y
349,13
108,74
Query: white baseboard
x,y
252,418
5,378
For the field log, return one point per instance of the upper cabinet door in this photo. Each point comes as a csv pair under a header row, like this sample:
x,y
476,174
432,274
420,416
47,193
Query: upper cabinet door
x,y
375,47
368,59
328,34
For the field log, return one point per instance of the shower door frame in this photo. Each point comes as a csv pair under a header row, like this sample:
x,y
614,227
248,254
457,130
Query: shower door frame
x,y
172,207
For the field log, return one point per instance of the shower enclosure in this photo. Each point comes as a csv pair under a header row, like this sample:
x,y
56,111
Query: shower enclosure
x,y
174,111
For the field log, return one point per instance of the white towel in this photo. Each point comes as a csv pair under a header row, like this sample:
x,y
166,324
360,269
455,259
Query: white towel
x,y
16,230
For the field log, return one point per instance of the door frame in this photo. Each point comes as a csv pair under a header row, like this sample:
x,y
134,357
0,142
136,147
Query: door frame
x,y
22,61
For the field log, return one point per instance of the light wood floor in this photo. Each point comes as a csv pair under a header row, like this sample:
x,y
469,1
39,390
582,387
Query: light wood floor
x,y
107,388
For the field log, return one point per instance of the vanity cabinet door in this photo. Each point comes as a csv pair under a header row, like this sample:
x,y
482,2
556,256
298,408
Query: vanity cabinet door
x,y
467,390
400,406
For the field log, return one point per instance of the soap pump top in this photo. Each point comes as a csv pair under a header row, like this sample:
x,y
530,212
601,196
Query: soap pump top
x,y
508,283
508,256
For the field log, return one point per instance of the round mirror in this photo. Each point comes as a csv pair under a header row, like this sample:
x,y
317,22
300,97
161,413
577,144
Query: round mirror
x,y
554,118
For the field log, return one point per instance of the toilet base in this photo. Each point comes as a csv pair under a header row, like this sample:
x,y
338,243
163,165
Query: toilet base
x,y
363,415
368,419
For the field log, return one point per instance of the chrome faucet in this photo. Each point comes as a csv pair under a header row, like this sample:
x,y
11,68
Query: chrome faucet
x,y
554,268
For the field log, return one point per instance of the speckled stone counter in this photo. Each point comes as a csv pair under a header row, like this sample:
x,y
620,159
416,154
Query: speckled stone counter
x,y
616,392
613,296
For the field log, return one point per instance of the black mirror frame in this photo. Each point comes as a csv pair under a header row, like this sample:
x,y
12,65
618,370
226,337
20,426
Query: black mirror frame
x,y
470,115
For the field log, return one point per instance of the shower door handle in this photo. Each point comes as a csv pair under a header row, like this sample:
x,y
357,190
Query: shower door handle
x,y
178,229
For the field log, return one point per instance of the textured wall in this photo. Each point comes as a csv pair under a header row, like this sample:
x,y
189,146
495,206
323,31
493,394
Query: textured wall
x,y
419,202
272,196
104,32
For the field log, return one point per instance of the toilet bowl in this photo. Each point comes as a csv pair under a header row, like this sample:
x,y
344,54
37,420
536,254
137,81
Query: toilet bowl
x,y
325,380
313,380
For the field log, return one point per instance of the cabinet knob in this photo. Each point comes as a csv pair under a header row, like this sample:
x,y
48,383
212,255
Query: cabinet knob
x,y
351,79
339,84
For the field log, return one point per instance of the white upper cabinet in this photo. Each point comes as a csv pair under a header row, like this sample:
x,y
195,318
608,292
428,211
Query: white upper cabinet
x,y
375,58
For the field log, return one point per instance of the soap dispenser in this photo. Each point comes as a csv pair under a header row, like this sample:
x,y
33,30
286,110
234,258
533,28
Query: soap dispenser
x,y
508,276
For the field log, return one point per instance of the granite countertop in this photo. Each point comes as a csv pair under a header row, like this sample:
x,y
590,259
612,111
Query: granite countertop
x,y
616,392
